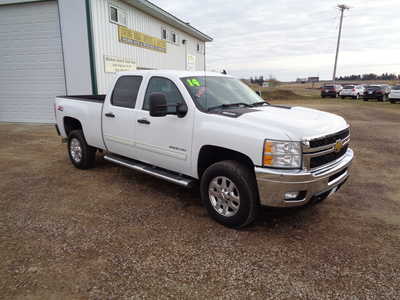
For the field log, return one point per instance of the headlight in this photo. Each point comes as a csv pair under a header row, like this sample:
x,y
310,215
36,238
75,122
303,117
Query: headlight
x,y
279,154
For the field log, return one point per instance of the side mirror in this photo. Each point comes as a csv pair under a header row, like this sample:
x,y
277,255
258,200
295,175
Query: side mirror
x,y
158,105
258,93
181,110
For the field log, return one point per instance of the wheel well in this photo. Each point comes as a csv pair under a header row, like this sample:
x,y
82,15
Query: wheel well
x,y
71,124
211,154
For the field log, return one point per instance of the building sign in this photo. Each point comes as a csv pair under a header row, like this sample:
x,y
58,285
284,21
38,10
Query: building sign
x,y
116,64
135,38
191,63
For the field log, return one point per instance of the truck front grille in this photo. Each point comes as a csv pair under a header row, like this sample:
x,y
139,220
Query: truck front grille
x,y
318,161
331,139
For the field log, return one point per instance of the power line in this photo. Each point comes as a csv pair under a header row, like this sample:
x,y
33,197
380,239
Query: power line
x,y
342,8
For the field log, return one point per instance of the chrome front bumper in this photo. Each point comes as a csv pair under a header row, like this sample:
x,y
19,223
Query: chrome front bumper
x,y
274,183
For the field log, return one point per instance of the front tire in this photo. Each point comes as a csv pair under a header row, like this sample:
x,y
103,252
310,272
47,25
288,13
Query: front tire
x,y
229,193
80,153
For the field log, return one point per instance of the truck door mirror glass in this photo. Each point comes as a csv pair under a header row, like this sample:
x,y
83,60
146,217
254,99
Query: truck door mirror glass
x,y
181,110
158,105
258,93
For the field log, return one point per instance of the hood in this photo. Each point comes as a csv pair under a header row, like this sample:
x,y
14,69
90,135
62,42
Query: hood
x,y
295,122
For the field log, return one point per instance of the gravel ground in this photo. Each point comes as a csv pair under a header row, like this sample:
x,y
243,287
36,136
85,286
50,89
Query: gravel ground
x,y
111,233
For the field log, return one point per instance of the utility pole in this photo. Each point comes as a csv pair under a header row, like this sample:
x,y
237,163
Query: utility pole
x,y
342,8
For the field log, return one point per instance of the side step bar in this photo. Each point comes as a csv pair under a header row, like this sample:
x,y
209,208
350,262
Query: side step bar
x,y
147,169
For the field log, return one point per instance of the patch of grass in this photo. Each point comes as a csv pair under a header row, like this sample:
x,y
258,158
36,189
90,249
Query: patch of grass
x,y
280,94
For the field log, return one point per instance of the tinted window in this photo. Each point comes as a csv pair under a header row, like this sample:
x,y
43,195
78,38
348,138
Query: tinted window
x,y
348,87
329,86
168,88
397,87
125,91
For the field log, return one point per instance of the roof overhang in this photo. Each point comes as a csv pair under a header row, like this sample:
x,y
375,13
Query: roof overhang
x,y
7,2
159,13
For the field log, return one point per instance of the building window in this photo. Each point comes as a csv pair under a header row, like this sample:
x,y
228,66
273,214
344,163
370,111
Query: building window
x,y
198,47
174,38
117,15
113,14
163,33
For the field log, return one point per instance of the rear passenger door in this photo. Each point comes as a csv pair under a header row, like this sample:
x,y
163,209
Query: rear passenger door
x,y
119,116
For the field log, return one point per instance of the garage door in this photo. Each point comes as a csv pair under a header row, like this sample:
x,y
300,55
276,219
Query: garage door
x,y
31,63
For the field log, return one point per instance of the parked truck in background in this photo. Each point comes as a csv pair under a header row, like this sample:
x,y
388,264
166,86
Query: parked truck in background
x,y
188,127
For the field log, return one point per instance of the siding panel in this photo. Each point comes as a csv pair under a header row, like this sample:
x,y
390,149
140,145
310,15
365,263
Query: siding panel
x,y
105,35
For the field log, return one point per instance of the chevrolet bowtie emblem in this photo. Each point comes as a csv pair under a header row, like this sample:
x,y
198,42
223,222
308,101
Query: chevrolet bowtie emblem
x,y
338,146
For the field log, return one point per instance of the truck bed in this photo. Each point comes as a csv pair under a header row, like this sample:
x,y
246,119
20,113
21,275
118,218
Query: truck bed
x,y
87,110
89,98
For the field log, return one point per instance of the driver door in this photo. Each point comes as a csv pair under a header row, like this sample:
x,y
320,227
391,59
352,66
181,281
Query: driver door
x,y
164,141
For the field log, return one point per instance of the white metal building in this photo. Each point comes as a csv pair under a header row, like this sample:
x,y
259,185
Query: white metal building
x,y
50,48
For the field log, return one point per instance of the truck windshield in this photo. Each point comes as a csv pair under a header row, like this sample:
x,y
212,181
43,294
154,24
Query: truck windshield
x,y
210,92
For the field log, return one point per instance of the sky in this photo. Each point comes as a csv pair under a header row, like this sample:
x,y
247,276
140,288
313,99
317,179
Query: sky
x,y
287,39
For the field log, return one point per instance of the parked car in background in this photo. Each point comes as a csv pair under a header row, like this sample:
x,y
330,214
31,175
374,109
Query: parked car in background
x,y
377,91
331,90
394,95
353,91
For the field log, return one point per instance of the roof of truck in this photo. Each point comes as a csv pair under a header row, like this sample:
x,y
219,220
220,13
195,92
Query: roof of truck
x,y
176,73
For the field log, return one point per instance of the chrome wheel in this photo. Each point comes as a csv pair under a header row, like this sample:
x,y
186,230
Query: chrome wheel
x,y
224,196
76,150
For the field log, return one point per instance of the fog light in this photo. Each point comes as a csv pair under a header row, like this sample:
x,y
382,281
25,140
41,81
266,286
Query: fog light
x,y
291,195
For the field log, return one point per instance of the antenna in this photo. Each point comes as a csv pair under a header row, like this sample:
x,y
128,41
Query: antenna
x,y
342,8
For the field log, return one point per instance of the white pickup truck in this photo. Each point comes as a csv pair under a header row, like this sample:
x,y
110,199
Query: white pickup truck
x,y
188,127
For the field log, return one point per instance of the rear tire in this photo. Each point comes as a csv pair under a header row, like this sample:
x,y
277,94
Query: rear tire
x,y
80,153
229,193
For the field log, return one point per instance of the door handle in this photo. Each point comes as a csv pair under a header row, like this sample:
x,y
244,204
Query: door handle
x,y
143,121
110,115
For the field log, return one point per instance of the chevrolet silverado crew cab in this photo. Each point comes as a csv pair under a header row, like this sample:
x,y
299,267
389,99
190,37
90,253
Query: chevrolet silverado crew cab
x,y
188,127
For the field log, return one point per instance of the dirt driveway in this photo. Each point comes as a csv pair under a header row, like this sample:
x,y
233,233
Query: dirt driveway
x,y
113,233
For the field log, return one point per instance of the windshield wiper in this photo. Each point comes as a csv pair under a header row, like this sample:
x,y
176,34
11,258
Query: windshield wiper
x,y
229,105
261,103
